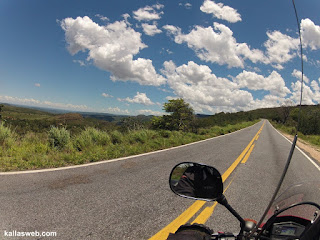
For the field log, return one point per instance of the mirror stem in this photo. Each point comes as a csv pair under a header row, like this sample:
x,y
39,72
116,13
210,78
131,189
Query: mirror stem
x,y
222,200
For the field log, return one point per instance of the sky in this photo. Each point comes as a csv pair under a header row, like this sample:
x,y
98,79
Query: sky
x,y
130,57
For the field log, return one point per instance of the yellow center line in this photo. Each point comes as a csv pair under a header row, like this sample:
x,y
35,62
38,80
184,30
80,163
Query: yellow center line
x,y
197,205
182,219
248,154
207,212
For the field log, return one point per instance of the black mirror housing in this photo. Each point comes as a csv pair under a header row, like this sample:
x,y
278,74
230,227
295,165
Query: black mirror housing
x,y
196,181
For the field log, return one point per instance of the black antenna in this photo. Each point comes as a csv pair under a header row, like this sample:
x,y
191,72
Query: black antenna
x,y
294,140
301,53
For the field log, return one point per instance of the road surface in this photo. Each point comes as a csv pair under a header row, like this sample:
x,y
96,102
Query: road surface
x,y
130,198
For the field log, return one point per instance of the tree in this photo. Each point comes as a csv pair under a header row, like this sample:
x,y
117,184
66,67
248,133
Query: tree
x,y
285,109
181,116
1,109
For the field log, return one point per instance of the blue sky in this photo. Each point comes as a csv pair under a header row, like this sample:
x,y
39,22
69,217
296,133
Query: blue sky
x,y
130,57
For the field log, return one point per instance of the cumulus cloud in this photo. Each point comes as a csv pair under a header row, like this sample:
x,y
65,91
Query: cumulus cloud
x,y
117,110
82,63
140,98
37,85
315,85
216,45
297,74
280,48
220,11
103,18
307,96
208,93
310,34
150,29
310,95
268,101
150,112
253,81
199,86
111,48
148,13
106,95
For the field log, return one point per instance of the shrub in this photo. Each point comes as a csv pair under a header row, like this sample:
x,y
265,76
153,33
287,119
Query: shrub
x,y
6,135
59,137
91,136
165,133
140,136
116,137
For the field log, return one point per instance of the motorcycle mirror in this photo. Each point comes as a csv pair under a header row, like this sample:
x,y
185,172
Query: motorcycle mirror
x,y
196,181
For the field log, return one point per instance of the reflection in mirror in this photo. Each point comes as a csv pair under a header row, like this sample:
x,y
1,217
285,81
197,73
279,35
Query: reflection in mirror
x,y
197,181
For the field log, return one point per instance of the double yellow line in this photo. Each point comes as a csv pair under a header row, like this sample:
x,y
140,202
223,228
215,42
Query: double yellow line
x,y
197,205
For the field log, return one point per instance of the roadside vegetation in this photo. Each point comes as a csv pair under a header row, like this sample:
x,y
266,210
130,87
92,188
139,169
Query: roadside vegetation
x,y
76,140
32,139
59,148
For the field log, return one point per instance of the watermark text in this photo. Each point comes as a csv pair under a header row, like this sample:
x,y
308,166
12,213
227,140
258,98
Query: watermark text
x,y
15,233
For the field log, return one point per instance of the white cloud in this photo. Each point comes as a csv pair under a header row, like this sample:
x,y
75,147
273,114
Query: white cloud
x,y
173,30
149,112
82,63
37,85
111,48
204,90
268,101
310,34
280,48
103,18
48,104
315,85
106,95
273,83
216,45
220,11
140,98
297,74
126,16
307,96
186,5
310,95
117,110
150,29
148,13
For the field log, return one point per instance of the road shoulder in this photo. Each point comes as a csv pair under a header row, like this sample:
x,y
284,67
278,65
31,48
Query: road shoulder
x,y
311,150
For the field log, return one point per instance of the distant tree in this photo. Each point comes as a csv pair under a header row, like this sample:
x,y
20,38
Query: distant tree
x,y
285,109
181,116
133,123
1,109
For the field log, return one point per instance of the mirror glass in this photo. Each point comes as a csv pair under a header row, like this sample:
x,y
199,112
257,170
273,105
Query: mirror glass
x,y
196,181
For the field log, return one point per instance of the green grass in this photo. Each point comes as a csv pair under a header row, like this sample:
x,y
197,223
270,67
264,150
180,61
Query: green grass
x,y
312,139
58,147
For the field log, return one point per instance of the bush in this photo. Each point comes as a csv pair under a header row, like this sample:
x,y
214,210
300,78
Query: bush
x,y
116,137
6,135
91,136
141,136
59,137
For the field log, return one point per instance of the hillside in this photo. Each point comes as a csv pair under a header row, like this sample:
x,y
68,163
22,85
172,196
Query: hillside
x,y
24,119
30,119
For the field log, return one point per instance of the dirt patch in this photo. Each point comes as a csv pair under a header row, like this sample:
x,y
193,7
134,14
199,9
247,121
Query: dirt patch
x,y
311,150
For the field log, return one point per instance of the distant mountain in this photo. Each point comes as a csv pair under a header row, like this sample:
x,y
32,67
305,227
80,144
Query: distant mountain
x,y
43,111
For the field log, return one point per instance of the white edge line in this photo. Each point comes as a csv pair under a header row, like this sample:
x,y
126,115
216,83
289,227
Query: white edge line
x,y
303,153
116,159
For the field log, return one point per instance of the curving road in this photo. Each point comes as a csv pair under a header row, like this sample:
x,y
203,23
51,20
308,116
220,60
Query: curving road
x,y
130,198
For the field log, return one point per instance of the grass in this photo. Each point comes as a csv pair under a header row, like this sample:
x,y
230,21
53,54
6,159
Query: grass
x,y
58,147
312,139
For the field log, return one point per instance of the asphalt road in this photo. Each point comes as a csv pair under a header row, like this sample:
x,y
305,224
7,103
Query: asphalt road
x,y
130,198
